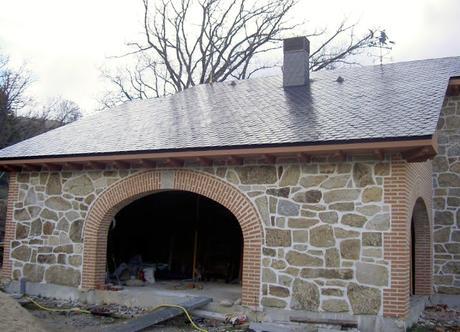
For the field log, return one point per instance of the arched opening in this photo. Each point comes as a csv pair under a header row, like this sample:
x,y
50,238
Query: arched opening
x,y
134,187
175,236
421,258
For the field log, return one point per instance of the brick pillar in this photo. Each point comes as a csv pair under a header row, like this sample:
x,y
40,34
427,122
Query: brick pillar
x,y
9,226
396,243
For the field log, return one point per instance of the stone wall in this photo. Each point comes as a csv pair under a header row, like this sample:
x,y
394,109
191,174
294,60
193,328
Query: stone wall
x,y
446,182
323,223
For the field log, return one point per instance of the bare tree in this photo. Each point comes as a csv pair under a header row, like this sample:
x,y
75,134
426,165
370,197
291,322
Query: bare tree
x,y
13,97
189,42
37,120
56,113
13,84
60,111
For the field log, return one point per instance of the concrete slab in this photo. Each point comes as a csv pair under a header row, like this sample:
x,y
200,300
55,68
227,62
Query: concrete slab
x,y
417,306
452,301
148,296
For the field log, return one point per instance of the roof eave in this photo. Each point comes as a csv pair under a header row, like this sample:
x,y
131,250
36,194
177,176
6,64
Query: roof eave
x,y
411,149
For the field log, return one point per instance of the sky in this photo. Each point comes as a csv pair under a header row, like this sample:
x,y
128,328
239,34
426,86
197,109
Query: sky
x,y
64,43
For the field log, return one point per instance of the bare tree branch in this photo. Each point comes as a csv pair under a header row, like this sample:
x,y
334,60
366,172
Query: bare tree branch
x,y
190,42
13,97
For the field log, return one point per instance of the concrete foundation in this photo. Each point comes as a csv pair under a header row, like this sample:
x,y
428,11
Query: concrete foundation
x,y
164,293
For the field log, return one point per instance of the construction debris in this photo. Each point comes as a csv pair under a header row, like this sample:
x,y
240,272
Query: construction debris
x,y
439,318
112,310
236,318
105,317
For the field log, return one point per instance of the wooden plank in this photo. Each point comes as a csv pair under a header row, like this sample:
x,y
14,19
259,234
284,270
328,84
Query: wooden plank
x,y
325,321
279,327
157,316
209,315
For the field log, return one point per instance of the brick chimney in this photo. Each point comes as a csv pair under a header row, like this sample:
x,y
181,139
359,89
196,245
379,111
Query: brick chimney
x,y
295,63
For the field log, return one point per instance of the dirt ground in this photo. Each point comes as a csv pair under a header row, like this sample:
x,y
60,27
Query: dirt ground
x,y
15,318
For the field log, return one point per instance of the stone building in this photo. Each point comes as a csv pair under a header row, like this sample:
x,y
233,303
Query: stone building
x,y
330,181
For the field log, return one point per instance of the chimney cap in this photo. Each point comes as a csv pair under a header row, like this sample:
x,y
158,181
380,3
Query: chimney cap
x,y
294,44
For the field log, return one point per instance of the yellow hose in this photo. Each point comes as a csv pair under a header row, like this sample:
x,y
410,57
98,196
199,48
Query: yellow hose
x,y
196,327
83,311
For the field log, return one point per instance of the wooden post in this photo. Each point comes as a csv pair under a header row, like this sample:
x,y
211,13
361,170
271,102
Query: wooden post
x,y
195,247
195,240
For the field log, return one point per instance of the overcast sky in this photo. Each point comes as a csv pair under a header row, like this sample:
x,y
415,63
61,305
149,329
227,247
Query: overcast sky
x,y
65,42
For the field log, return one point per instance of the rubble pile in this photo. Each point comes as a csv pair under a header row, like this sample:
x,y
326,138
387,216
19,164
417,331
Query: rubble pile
x,y
440,318
107,310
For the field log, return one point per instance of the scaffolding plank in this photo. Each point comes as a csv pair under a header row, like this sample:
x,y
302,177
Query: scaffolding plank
x,y
348,323
157,316
278,327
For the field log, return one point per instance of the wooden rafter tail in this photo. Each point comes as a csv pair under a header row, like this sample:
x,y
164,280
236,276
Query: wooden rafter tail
x,y
173,162
95,165
379,154
204,161
303,157
340,155
269,158
11,168
417,155
138,164
72,166
52,167
234,160
121,164
147,163
31,168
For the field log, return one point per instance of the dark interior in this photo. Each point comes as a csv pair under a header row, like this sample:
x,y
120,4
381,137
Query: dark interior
x,y
169,229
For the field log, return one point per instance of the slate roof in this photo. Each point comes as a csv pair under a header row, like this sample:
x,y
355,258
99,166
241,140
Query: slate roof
x,y
394,101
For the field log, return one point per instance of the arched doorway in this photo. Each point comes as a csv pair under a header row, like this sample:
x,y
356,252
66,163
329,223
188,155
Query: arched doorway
x,y
421,281
139,185
176,236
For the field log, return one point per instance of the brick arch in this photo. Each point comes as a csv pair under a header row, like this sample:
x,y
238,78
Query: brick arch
x,y
129,189
423,248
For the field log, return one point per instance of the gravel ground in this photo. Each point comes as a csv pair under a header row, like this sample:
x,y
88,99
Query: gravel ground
x,y
81,322
438,318
75,321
